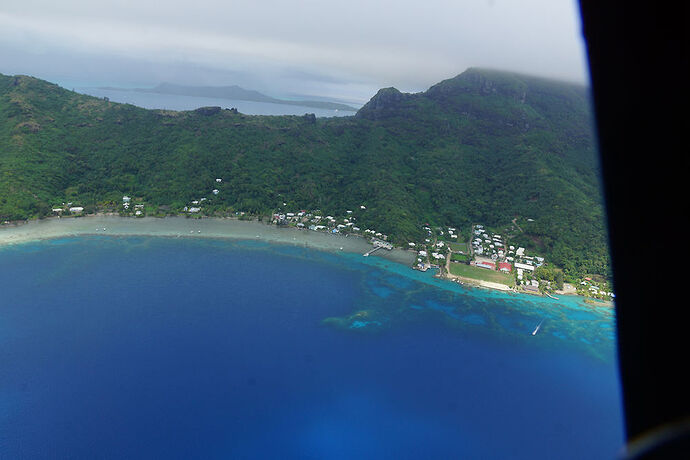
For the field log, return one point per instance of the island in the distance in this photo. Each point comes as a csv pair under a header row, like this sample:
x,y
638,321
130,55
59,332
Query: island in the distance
x,y
233,92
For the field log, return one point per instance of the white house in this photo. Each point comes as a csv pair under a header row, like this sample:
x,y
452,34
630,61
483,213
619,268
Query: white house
x,y
524,266
76,209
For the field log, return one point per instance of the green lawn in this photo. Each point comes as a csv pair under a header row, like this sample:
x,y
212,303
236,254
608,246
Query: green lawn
x,y
477,273
459,257
459,247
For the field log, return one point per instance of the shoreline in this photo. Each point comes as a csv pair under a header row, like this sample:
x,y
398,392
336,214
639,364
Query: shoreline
x,y
231,229
478,283
179,226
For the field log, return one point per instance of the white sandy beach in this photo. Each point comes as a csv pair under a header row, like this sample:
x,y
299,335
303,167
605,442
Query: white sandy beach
x,y
53,228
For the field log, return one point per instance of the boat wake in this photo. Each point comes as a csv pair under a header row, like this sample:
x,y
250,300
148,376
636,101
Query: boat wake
x,y
536,329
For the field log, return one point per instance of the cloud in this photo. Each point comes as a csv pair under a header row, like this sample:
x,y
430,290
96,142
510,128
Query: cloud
x,y
406,44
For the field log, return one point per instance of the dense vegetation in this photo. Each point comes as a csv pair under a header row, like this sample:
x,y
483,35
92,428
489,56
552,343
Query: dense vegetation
x,y
483,147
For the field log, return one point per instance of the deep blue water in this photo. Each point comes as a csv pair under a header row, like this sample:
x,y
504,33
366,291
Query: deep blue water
x,y
174,348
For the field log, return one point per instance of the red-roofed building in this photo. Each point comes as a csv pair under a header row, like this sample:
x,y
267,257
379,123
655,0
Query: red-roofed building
x,y
505,267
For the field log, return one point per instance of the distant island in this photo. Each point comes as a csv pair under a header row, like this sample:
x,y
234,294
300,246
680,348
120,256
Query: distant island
x,y
233,92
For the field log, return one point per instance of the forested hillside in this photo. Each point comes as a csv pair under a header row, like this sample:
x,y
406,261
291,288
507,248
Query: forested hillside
x,y
484,146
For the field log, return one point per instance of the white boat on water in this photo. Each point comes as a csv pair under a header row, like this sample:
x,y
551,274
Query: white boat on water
x,y
536,329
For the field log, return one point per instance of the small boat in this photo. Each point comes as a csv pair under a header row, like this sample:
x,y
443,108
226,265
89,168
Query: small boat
x,y
536,329
552,296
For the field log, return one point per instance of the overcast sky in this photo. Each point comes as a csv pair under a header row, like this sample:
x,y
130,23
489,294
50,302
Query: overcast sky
x,y
344,48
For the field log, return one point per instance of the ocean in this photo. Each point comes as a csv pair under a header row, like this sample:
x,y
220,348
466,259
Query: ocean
x,y
161,347
178,102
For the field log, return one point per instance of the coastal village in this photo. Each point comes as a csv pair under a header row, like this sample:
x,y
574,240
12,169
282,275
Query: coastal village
x,y
481,256
486,258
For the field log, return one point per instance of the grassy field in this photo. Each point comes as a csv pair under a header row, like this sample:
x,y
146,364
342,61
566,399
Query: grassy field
x,y
460,257
459,247
469,271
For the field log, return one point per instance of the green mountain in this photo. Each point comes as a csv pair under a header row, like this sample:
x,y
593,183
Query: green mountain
x,y
234,92
483,147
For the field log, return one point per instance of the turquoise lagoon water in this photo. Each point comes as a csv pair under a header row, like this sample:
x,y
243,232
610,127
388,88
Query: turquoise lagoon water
x,y
143,347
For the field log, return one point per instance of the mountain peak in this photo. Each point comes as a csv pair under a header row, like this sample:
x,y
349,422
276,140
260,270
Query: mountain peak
x,y
482,82
383,104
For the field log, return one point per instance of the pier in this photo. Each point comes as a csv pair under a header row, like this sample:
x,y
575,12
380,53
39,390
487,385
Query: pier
x,y
375,248
378,244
